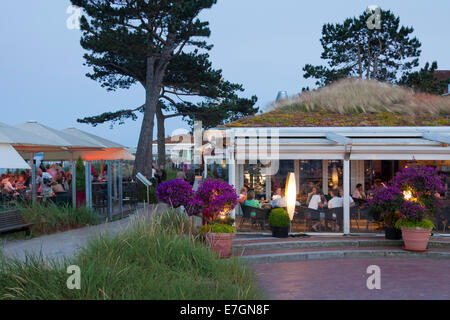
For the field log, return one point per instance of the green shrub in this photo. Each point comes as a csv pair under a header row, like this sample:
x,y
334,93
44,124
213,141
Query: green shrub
x,y
149,261
218,228
80,178
424,224
278,217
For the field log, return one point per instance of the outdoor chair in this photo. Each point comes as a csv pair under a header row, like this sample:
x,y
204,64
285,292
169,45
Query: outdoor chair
x,y
311,215
246,214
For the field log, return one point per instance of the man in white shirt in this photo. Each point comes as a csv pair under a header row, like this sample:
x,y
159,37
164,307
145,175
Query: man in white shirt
x,y
341,193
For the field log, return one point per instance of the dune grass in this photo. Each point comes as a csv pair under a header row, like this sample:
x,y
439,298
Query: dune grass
x,y
155,259
354,102
52,218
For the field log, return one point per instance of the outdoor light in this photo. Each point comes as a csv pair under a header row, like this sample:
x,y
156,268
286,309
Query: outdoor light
x,y
335,177
291,194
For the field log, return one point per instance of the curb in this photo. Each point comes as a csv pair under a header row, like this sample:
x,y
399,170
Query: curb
x,y
341,254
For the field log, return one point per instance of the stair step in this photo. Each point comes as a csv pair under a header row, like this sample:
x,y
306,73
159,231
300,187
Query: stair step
x,y
267,244
345,252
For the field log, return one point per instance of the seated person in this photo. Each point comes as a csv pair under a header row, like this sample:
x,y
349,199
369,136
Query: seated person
x,y
313,192
335,201
315,200
277,195
341,193
243,195
358,193
58,186
251,201
281,201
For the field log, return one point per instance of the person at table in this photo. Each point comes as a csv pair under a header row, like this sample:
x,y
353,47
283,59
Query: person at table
x,y
315,202
358,193
312,193
251,201
281,201
58,186
277,195
243,195
341,194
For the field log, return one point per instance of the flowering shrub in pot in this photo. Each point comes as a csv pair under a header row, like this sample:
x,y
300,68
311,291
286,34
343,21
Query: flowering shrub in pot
x,y
218,199
420,186
387,200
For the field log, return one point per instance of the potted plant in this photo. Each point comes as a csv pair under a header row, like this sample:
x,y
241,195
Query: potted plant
x,y
279,221
219,235
416,229
420,187
387,200
218,199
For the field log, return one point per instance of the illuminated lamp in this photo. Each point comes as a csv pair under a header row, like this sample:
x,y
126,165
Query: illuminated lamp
x,y
291,194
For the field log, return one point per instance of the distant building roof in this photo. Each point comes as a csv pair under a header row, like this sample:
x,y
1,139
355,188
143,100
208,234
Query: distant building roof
x,y
443,75
181,138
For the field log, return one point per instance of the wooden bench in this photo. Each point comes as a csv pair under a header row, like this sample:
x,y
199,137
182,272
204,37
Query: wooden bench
x,y
12,221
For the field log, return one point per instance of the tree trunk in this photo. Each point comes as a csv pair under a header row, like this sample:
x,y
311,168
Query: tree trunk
x,y
144,153
161,137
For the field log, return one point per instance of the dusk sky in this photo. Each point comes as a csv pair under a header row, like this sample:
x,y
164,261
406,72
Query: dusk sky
x,y
262,44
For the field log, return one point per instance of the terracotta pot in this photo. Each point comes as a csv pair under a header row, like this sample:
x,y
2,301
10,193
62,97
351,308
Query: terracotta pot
x,y
416,239
220,243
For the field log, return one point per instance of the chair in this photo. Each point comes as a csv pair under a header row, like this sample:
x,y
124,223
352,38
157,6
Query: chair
x,y
260,215
311,215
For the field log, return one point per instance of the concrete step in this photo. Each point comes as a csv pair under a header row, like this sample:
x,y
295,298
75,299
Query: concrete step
x,y
269,244
257,257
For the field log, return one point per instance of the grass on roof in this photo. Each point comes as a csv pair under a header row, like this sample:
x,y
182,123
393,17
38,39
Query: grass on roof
x,y
355,102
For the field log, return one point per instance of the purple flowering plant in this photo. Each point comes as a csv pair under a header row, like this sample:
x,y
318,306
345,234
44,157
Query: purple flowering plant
x,y
412,197
218,198
213,198
175,193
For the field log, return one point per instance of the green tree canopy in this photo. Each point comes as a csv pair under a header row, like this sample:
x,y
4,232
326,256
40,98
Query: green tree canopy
x,y
183,74
130,41
352,49
425,80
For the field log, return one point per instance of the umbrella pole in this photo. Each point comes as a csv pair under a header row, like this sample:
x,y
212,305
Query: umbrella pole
x,y
74,184
119,167
33,179
110,208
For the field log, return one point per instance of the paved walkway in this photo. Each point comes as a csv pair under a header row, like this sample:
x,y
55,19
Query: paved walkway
x,y
66,244
408,279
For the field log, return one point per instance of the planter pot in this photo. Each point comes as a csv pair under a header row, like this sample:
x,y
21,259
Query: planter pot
x,y
81,198
393,233
280,232
220,243
416,239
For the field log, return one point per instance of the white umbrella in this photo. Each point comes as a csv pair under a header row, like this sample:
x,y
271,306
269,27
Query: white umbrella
x,y
10,159
17,136
60,137
105,143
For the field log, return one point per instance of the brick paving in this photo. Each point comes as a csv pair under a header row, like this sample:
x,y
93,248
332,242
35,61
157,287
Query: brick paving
x,y
401,279
255,252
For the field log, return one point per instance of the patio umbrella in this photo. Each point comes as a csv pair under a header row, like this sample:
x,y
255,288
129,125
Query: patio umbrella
x,y
10,159
17,136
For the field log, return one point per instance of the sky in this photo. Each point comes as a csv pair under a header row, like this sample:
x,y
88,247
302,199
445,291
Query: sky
x,y
262,44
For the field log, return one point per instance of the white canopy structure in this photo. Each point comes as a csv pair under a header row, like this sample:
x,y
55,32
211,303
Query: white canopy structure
x,y
10,159
347,144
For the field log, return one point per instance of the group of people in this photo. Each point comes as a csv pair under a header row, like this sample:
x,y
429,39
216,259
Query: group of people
x,y
316,199
50,179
